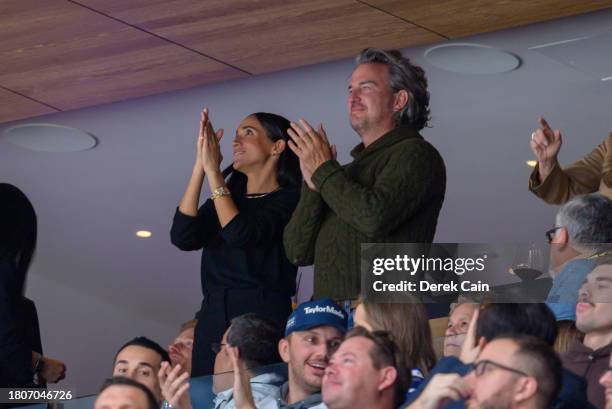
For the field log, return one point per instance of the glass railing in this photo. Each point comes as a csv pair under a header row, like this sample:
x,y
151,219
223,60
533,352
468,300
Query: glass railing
x,y
204,391
207,391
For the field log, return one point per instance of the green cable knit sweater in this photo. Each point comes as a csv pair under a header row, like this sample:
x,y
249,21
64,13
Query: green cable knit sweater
x,y
392,192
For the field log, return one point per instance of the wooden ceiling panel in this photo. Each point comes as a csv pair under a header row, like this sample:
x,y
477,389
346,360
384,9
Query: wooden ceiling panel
x,y
459,18
75,53
70,57
268,35
15,106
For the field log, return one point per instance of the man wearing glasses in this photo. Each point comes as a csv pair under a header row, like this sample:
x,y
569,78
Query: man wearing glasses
x,y
582,233
510,373
256,338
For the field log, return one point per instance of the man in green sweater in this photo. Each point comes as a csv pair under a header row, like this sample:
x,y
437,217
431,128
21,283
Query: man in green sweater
x,y
391,192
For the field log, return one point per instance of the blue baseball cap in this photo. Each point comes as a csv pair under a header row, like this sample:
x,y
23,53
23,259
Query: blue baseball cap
x,y
317,313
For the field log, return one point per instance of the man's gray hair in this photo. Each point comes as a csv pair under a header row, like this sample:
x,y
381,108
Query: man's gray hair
x,y
588,219
462,299
403,76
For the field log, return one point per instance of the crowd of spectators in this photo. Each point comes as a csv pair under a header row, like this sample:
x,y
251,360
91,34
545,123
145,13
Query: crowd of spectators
x,y
288,202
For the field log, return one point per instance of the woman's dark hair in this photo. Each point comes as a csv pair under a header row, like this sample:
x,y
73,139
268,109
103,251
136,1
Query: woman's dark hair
x,y
288,170
17,234
513,319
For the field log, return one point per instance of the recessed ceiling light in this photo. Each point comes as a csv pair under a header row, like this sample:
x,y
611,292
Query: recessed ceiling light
x,y
532,163
145,234
50,138
471,58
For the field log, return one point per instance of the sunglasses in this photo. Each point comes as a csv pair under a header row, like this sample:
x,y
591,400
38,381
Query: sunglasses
x,y
550,234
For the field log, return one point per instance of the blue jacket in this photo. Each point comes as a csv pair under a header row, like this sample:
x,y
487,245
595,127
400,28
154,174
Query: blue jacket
x,y
563,295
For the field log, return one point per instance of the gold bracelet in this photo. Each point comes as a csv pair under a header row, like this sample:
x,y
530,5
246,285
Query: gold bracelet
x,y
220,191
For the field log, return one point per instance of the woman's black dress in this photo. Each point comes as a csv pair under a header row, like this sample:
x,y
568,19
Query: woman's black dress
x,y
244,266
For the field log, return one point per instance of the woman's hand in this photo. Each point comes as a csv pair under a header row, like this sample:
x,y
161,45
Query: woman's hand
x,y
174,387
243,396
191,197
208,148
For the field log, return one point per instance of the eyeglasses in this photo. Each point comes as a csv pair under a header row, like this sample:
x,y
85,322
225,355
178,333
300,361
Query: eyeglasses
x,y
216,347
480,368
550,234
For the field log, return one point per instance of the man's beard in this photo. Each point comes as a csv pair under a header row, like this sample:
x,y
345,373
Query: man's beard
x,y
300,379
361,127
499,401
494,403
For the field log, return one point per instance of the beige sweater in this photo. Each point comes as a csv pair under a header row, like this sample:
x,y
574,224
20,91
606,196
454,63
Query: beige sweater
x,y
590,174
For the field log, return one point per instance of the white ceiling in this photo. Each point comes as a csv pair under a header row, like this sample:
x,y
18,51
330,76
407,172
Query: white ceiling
x,y
90,203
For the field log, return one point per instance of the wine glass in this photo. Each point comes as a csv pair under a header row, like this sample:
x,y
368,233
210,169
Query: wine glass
x,y
528,262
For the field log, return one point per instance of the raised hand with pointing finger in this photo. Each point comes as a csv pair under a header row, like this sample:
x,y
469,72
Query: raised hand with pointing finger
x,y
471,347
545,144
556,185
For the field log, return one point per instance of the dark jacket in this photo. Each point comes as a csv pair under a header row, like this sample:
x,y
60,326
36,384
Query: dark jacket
x,y
591,365
248,252
392,192
15,350
573,392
